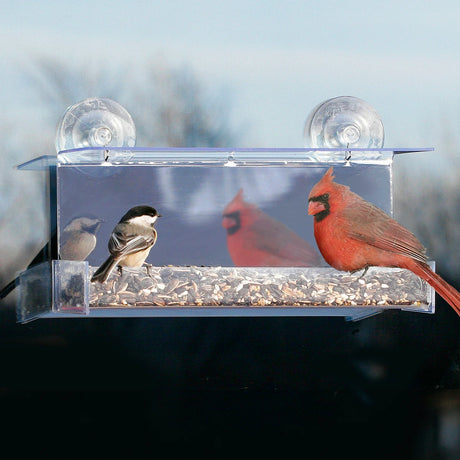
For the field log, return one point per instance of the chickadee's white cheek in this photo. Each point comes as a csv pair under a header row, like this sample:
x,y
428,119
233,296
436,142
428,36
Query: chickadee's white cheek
x,y
144,220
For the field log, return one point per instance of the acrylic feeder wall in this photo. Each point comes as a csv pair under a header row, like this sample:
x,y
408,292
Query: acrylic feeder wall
x,y
192,270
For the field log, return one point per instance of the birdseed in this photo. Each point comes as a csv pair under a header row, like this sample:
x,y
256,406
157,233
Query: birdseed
x,y
195,286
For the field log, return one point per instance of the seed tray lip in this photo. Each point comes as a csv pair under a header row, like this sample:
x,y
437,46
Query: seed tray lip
x,y
348,313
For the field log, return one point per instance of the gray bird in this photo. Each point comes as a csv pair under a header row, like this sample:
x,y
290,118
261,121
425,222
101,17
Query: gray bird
x,y
77,241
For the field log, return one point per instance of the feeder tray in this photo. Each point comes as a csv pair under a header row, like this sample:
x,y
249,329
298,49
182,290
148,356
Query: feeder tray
x,y
191,271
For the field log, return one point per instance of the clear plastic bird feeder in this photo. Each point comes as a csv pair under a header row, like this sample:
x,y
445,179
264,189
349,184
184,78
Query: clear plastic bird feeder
x,y
219,250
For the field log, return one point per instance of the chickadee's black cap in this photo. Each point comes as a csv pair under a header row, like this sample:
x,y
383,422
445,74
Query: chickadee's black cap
x,y
137,211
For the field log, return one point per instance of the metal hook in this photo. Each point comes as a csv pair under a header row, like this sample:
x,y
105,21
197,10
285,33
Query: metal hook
x,y
348,154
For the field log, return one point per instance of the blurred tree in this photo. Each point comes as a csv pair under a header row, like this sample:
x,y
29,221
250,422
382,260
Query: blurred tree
x,y
175,110
22,198
170,106
427,201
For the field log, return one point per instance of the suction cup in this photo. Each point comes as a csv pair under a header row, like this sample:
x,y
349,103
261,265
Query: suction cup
x,y
95,122
344,122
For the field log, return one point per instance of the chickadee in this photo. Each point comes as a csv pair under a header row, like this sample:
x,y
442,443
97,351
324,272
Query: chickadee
x,y
130,241
78,240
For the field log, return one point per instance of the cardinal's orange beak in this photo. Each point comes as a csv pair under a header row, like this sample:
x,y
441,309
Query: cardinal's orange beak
x,y
228,221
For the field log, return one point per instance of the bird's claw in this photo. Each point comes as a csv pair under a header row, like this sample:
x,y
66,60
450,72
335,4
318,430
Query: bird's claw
x,y
147,269
364,271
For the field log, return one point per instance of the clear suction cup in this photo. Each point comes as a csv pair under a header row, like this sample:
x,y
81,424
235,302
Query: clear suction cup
x,y
344,122
95,122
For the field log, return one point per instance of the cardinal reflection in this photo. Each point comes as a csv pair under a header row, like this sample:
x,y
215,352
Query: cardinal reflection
x,y
254,239
208,188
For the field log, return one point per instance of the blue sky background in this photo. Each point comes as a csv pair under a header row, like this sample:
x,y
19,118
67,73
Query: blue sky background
x,y
278,58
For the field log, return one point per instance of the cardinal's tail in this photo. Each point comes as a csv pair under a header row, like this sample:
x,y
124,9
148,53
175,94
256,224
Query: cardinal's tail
x,y
444,289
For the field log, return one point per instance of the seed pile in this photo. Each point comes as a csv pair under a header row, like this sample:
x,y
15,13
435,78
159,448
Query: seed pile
x,y
262,286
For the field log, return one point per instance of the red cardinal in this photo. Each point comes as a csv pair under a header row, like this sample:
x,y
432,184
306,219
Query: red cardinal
x,y
254,239
353,234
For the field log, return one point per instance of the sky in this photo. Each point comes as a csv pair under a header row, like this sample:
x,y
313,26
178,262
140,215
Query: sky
x,y
279,59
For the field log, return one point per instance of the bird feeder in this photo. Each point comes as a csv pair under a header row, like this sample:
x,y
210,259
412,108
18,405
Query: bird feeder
x,y
200,265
